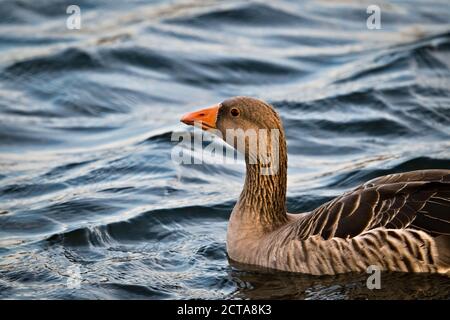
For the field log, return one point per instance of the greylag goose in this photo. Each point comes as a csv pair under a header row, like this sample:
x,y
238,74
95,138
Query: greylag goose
x,y
398,222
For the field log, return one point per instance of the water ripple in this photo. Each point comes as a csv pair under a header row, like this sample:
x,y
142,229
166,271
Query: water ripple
x,y
87,119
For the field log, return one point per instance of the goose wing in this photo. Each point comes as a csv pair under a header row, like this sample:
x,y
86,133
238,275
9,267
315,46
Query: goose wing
x,y
416,199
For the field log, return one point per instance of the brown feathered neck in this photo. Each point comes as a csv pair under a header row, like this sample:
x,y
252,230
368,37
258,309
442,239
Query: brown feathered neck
x,y
263,198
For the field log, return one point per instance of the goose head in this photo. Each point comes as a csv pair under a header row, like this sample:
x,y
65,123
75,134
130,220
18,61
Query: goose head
x,y
250,125
262,203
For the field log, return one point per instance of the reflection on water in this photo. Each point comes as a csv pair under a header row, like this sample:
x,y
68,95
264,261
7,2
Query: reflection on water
x,y
260,284
86,118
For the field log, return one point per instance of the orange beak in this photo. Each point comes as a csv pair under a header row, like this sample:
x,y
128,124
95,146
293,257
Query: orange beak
x,y
205,117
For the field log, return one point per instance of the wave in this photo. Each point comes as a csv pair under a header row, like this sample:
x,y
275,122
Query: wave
x,y
86,120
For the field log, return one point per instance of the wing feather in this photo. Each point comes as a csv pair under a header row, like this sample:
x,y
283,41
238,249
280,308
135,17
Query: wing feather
x,y
417,199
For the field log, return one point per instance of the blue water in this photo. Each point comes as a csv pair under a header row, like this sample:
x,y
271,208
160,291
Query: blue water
x,y
86,119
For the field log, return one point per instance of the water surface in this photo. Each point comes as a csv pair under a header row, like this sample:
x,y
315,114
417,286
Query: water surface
x,y
86,119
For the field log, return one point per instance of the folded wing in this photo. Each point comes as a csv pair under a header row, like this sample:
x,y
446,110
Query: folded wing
x,y
417,200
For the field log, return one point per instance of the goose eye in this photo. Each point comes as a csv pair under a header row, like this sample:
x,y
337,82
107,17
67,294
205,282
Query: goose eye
x,y
234,112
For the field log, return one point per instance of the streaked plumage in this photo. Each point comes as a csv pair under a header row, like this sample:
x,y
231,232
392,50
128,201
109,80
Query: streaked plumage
x,y
399,222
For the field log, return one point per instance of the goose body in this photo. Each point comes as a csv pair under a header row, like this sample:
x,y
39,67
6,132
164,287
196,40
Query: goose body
x,y
398,222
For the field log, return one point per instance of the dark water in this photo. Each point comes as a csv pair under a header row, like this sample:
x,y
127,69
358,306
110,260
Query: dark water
x,y
86,118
